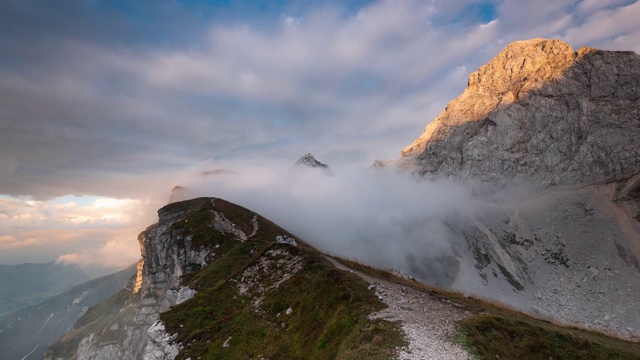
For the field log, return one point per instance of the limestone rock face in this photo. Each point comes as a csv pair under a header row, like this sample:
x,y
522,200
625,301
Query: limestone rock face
x,y
133,330
540,113
566,124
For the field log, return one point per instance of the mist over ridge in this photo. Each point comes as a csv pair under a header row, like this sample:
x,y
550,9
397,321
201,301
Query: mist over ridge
x,y
379,216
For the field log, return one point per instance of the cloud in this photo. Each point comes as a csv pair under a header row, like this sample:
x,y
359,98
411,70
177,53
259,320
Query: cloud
x,y
382,217
129,99
588,6
86,101
102,231
89,109
119,251
612,29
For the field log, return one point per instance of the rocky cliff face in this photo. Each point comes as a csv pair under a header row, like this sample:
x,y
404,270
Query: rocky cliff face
x,y
539,113
564,123
120,327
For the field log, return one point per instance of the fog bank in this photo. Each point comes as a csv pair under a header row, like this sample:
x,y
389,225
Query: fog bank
x,y
377,216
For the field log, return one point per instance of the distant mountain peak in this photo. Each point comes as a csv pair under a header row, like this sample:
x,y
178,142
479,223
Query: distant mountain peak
x,y
310,161
217,172
178,193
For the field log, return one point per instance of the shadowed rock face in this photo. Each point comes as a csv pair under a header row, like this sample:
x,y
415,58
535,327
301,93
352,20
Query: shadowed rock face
x,y
541,113
119,328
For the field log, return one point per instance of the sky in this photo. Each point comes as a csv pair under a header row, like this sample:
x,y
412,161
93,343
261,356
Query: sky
x,y
106,105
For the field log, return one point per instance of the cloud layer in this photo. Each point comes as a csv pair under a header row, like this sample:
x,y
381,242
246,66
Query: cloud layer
x,y
123,100
377,216
100,231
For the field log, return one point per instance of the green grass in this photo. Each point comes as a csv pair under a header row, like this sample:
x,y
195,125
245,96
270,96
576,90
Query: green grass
x,y
505,336
329,319
493,331
331,308
236,214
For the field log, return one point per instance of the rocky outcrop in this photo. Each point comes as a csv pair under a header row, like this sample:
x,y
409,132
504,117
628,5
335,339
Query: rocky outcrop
x,y
132,332
308,161
539,113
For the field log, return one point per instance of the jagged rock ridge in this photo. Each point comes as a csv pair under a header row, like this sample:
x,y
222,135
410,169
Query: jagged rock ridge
x,y
539,113
310,161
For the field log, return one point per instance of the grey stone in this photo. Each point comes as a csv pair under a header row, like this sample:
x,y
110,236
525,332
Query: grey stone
x,y
539,113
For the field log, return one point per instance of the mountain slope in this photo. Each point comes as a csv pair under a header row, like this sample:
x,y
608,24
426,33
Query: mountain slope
x,y
28,284
258,289
27,333
561,128
263,293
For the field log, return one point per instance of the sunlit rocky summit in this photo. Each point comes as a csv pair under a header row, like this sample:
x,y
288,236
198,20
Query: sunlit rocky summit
x,y
561,127
539,113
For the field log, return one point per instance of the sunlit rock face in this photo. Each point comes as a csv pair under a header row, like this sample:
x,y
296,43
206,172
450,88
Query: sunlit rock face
x,y
564,126
539,113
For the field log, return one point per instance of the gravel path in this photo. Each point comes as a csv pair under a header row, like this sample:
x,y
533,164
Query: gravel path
x,y
427,321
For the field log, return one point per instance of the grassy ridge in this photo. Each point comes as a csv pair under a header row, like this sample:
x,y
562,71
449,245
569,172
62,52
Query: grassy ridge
x,y
330,309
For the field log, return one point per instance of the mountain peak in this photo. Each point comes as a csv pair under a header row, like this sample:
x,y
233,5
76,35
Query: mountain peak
x,y
178,193
521,61
310,161
539,112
